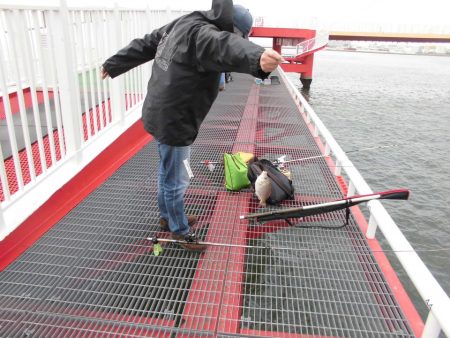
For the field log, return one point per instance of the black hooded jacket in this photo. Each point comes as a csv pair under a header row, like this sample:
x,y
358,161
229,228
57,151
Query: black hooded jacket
x,y
189,54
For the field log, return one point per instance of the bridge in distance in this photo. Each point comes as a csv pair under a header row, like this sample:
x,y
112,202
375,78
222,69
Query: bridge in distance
x,y
381,36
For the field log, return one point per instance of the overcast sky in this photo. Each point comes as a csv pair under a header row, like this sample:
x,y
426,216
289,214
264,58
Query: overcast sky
x,y
428,16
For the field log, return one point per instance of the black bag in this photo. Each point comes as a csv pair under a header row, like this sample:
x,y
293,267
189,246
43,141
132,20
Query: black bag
x,y
282,188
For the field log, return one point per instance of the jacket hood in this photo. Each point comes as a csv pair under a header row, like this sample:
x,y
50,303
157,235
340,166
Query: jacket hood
x,y
221,14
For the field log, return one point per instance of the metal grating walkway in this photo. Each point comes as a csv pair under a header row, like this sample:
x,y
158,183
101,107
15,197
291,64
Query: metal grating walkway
x,y
94,274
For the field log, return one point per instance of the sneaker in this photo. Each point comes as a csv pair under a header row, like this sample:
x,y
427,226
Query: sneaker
x,y
190,242
164,224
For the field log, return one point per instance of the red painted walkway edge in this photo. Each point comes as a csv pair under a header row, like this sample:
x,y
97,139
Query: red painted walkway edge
x,y
72,193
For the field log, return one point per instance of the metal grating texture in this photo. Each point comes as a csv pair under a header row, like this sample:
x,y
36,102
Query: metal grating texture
x,y
94,273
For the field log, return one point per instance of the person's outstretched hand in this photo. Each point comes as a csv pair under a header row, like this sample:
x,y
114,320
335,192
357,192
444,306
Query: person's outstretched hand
x,y
103,73
270,60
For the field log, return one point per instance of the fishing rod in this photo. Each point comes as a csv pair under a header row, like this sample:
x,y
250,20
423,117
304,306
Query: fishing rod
x,y
156,241
322,208
281,160
285,214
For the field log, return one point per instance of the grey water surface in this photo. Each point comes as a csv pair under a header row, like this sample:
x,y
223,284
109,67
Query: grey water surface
x,y
369,99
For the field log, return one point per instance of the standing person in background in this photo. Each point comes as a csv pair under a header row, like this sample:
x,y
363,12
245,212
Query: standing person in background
x,y
189,55
228,77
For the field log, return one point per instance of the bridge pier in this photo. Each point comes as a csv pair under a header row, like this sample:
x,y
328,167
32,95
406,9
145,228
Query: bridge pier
x,y
306,82
306,75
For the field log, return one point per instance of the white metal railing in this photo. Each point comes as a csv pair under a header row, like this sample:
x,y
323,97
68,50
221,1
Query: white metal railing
x,y
59,114
429,289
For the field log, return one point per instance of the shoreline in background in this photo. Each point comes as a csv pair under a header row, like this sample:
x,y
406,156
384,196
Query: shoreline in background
x,y
383,52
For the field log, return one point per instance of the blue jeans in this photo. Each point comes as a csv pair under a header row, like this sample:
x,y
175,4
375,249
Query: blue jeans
x,y
173,181
222,80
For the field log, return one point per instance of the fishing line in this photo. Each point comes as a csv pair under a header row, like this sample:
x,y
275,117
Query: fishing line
x,y
281,161
156,240
345,152
205,163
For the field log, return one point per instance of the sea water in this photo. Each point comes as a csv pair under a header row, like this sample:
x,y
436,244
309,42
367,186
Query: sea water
x,y
368,100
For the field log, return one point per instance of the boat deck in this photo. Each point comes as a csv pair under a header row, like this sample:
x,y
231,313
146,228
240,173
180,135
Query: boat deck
x,y
94,273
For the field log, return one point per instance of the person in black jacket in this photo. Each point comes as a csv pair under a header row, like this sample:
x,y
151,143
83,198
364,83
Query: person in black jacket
x,y
189,55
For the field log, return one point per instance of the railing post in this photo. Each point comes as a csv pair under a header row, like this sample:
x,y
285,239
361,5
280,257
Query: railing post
x,y
67,79
148,14
300,106
3,229
316,131
372,227
338,169
351,189
4,178
168,13
117,85
148,70
432,328
327,149
308,116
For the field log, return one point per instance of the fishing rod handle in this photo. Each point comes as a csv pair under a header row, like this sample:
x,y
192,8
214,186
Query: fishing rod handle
x,y
397,194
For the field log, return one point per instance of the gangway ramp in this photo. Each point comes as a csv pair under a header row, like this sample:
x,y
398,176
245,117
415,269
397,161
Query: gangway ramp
x,y
309,46
94,273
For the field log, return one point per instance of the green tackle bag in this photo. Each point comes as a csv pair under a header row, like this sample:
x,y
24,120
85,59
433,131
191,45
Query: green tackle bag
x,y
235,172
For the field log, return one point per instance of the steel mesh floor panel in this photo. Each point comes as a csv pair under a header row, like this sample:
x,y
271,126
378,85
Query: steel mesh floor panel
x,y
94,273
336,298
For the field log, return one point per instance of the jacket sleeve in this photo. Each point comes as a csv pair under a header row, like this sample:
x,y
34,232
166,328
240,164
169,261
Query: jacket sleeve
x,y
136,53
222,51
